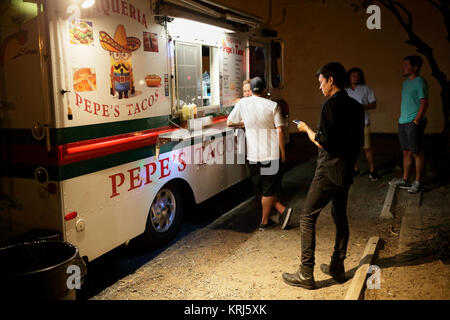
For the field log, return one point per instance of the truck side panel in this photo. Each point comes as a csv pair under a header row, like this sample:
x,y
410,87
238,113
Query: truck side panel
x,y
25,202
110,60
110,99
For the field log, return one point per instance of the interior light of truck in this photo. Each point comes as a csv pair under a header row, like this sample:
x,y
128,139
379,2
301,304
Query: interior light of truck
x,y
192,29
70,216
88,3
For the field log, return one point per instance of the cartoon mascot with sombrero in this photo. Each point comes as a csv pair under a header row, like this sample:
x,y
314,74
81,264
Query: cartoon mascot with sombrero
x,y
120,48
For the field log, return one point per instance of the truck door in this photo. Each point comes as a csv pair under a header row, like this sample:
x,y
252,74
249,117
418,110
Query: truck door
x,y
29,184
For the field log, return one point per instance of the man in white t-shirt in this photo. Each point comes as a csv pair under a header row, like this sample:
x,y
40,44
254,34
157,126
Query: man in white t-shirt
x,y
358,90
263,124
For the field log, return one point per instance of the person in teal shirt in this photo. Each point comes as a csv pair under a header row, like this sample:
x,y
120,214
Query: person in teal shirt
x,y
412,123
412,92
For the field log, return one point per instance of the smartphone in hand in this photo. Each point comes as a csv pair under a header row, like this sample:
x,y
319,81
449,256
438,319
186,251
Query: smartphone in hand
x,y
297,122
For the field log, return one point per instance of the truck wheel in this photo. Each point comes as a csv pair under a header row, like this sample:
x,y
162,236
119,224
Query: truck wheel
x,y
164,218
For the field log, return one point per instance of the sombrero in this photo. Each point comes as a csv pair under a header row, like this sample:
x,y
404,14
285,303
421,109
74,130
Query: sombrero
x,y
120,42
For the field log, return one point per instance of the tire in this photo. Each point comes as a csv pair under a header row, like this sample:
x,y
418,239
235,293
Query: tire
x,y
164,217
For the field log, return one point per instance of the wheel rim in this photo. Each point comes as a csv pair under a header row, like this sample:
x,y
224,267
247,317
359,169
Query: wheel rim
x,y
163,210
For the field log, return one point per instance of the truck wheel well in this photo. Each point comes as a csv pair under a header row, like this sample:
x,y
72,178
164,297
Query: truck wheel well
x,y
186,192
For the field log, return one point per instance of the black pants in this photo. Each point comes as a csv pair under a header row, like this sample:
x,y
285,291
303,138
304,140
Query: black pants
x,y
320,193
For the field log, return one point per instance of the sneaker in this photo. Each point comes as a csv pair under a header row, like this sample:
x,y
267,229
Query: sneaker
x,y
400,183
415,187
285,217
373,175
267,226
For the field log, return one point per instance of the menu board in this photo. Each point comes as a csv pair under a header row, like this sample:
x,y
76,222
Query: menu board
x,y
233,70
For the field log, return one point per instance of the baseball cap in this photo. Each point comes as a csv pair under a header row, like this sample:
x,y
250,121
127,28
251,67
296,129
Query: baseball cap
x,y
257,85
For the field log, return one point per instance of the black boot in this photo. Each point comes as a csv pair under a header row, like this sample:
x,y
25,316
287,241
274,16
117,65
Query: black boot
x,y
303,278
335,269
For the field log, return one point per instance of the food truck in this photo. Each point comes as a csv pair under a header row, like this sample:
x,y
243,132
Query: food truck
x,y
113,114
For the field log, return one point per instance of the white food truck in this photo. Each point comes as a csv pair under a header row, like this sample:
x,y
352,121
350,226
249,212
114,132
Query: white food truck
x,y
95,144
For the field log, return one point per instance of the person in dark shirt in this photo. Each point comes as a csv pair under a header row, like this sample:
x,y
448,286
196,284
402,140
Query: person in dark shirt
x,y
339,138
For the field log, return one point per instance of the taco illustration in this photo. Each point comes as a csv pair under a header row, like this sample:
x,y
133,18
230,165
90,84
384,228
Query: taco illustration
x,y
84,79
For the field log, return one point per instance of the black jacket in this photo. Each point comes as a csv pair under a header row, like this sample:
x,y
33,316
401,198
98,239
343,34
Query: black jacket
x,y
341,134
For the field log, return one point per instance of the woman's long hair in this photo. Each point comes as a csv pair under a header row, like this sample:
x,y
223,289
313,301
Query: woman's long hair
x,y
362,79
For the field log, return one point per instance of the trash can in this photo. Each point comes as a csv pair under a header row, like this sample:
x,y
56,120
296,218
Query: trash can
x,y
40,270
37,235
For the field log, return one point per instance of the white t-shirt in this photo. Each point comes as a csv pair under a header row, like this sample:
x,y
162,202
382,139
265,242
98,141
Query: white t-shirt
x,y
261,117
364,95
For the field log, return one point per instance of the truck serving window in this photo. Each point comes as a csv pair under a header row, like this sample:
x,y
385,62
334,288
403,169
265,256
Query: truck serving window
x,y
196,74
210,76
188,74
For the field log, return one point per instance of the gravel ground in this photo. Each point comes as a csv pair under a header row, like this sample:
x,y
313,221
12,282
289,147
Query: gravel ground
x,y
231,259
228,258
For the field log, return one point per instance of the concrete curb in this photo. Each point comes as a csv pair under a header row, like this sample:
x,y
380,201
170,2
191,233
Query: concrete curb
x,y
356,289
410,230
386,212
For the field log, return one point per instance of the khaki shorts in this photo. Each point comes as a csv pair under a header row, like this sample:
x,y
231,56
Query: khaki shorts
x,y
367,137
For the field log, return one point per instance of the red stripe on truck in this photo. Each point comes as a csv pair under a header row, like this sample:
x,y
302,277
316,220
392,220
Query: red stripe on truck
x,y
220,118
89,149
85,150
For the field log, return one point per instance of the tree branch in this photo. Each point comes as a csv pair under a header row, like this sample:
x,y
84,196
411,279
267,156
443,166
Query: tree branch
x,y
444,8
415,40
434,4
391,5
406,11
396,8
